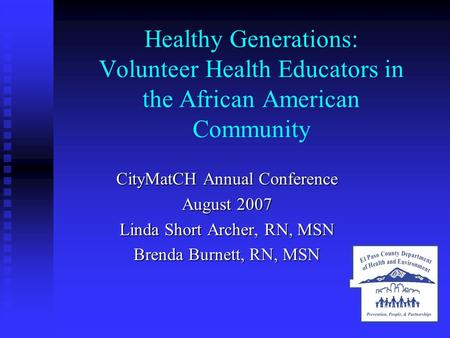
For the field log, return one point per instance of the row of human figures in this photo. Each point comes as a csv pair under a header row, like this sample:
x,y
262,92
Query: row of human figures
x,y
394,303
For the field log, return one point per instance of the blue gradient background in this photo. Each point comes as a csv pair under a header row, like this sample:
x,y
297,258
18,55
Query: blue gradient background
x,y
391,156
388,154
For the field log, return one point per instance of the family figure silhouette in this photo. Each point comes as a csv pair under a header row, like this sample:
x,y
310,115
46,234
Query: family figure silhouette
x,y
394,303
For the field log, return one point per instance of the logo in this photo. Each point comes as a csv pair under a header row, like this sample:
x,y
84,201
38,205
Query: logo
x,y
398,283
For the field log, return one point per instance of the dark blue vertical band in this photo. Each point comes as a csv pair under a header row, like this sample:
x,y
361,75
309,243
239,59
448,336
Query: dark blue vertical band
x,y
26,28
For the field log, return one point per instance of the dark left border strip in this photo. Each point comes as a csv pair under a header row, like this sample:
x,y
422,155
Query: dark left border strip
x,y
26,84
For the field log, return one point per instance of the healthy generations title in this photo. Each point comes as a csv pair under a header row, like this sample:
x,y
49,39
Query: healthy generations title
x,y
227,61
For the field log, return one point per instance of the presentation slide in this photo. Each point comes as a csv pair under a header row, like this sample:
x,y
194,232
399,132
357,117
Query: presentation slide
x,y
224,169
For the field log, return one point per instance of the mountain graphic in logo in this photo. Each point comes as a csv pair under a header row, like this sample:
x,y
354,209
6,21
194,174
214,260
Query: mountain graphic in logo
x,y
399,275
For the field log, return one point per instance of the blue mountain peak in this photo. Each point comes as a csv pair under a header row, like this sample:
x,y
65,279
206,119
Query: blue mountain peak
x,y
399,275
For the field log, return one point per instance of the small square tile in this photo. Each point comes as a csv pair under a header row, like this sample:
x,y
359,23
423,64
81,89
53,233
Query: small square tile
x,y
7,124
7,112
7,192
7,158
7,180
7,135
7,169
7,270
7,68
7,57
7,282
7,90
7,226
7,101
